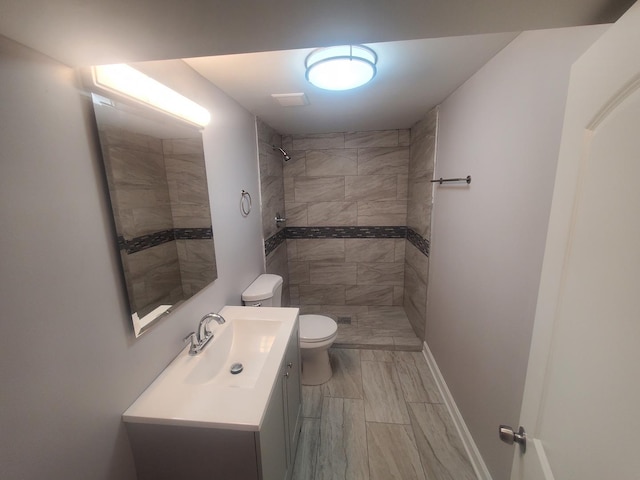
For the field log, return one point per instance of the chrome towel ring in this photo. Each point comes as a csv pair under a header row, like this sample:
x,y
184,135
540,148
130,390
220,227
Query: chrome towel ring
x,y
245,203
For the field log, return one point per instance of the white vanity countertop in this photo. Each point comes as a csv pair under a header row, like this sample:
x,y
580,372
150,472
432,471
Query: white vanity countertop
x,y
192,392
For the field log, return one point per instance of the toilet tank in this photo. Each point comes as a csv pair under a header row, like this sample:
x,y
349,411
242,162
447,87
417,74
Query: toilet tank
x,y
265,291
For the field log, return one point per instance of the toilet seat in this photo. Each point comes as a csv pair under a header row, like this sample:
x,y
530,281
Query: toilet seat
x,y
316,328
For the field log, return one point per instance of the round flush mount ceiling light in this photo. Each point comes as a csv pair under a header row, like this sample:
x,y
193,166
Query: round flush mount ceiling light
x,y
342,67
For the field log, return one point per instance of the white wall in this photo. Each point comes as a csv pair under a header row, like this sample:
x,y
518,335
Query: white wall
x,y
69,365
503,128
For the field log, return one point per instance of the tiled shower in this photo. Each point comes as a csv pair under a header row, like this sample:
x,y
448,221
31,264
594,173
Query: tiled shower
x,y
356,241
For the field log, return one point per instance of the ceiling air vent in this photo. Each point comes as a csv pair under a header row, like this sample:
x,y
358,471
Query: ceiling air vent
x,y
290,99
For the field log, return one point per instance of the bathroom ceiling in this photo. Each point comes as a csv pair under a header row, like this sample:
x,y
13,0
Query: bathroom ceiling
x,y
413,76
427,48
87,32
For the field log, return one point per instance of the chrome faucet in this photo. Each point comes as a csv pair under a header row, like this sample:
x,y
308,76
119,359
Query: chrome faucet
x,y
204,335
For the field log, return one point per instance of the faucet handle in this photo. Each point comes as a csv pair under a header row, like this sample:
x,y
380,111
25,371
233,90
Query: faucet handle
x,y
192,337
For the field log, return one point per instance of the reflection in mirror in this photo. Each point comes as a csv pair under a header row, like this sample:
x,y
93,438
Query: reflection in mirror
x,y
157,182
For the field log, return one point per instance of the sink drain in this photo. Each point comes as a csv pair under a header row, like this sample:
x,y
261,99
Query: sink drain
x,y
236,368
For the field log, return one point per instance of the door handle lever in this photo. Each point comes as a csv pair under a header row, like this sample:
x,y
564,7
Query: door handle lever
x,y
509,436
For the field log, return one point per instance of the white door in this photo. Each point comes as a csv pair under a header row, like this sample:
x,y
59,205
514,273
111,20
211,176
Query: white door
x,y
581,408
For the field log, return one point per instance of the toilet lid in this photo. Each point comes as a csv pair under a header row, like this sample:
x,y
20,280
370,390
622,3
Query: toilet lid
x,y
316,328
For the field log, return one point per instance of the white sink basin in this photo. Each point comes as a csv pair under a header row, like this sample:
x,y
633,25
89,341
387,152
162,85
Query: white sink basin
x,y
242,341
200,390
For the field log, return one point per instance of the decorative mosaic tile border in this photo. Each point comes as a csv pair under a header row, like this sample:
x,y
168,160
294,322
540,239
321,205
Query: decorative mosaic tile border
x,y
414,237
274,241
144,242
346,232
418,241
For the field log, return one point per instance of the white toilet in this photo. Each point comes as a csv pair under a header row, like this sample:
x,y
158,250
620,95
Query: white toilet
x,y
317,332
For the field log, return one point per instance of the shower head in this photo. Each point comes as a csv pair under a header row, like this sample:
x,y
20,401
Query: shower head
x,y
284,154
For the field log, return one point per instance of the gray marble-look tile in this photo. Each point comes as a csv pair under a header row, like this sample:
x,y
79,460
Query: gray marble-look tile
x,y
398,295
311,401
381,160
380,274
346,381
418,385
299,273
289,189
296,214
296,166
374,138
318,189
321,294
321,273
383,401
402,192
392,213
413,344
370,249
393,452
418,261
441,449
369,295
377,355
404,137
323,249
317,141
332,214
341,161
307,455
342,454
371,187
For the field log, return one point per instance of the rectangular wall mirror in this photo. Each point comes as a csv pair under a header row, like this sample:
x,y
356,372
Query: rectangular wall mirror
x,y
157,183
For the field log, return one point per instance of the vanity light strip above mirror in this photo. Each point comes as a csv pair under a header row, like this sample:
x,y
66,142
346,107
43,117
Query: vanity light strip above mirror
x,y
130,82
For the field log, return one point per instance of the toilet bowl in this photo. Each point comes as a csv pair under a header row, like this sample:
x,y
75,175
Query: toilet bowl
x,y
317,334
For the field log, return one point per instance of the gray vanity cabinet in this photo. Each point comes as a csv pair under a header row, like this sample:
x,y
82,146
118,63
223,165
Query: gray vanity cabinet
x,y
278,438
174,452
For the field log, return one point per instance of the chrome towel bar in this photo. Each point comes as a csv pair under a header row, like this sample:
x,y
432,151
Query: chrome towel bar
x,y
442,180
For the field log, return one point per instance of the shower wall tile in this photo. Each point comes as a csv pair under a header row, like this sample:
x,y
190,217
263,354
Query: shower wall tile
x,y
273,189
342,161
296,214
382,213
319,250
399,250
381,160
332,214
318,189
419,204
380,274
320,294
289,189
370,249
402,183
299,273
318,141
418,261
371,187
352,179
404,138
321,273
369,295
380,138
415,300
297,166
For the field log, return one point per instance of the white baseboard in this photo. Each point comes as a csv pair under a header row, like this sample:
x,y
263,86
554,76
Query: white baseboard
x,y
482,472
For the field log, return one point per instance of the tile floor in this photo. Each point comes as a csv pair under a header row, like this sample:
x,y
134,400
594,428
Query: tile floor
x,y
374,327
379,417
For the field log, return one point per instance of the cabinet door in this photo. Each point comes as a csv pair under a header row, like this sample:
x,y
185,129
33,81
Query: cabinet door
x,y
293,394
273,436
